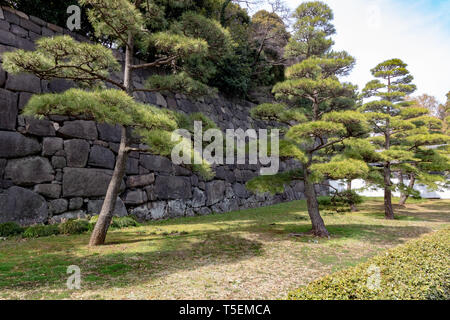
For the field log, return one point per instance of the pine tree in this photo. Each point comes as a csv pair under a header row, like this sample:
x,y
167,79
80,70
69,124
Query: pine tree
x,y
316,107
385,120
90,65
425,140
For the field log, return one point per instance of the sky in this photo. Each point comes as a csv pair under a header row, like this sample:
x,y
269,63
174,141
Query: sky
x,y
416,31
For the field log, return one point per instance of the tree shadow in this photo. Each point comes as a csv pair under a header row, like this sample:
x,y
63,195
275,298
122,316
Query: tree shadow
x,y
121,268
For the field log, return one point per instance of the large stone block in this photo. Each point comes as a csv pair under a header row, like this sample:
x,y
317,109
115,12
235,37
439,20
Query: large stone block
x,y
29,25
215,192
15,145
29,171
140,181
23,82
37,127
107,132
101,157
198,198
79,129
59,85
8,110
22,206
7,38
132,166
48,190
51,145
57,206
170,187
135,197
240,190
77,152
158,210
156,163
83,182
95,206
176,208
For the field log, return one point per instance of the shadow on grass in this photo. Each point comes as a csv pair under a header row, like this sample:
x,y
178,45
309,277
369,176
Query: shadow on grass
x,y
132,256
120,269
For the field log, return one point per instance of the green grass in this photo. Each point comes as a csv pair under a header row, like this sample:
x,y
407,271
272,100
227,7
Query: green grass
x,y
247,254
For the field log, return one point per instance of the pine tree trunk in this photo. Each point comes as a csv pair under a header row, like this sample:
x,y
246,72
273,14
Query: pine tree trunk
x,y
349,188
98,236
318,226
405,196
388,209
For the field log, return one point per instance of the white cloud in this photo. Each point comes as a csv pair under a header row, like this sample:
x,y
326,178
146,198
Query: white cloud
x,y
377,30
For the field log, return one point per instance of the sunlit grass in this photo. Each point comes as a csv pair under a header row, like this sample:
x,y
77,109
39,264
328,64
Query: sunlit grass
x,y
246,254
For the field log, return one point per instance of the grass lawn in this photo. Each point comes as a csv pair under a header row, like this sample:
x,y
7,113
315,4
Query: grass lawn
x,y
241,255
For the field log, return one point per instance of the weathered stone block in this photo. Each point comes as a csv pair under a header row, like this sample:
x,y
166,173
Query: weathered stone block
x,y
109,133
79,129
8,110
240,190
51,145
83,182
59,162
101,157
43,128
19,31
135,197
22,206
59,85
49,190
15,145
170,187
176,208
29,25
156,163
198,198
77,152
215,192
204,211
57,206
23,82
29,171
158,210
95,206
140,181
75,203
132,166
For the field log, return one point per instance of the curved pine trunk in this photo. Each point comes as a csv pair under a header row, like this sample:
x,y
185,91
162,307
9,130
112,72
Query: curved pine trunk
x,y
98,236
318,226
405,197
388,209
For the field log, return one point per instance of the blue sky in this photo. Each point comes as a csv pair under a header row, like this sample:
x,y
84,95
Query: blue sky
x,y
416,31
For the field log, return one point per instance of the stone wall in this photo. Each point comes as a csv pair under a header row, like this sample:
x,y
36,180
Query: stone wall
x,y
60,167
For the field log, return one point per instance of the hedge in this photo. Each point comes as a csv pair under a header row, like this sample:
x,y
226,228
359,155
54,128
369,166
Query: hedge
x,y
418,269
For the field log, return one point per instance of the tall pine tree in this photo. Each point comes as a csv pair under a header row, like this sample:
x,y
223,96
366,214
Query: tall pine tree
x,y
392,85
317,108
